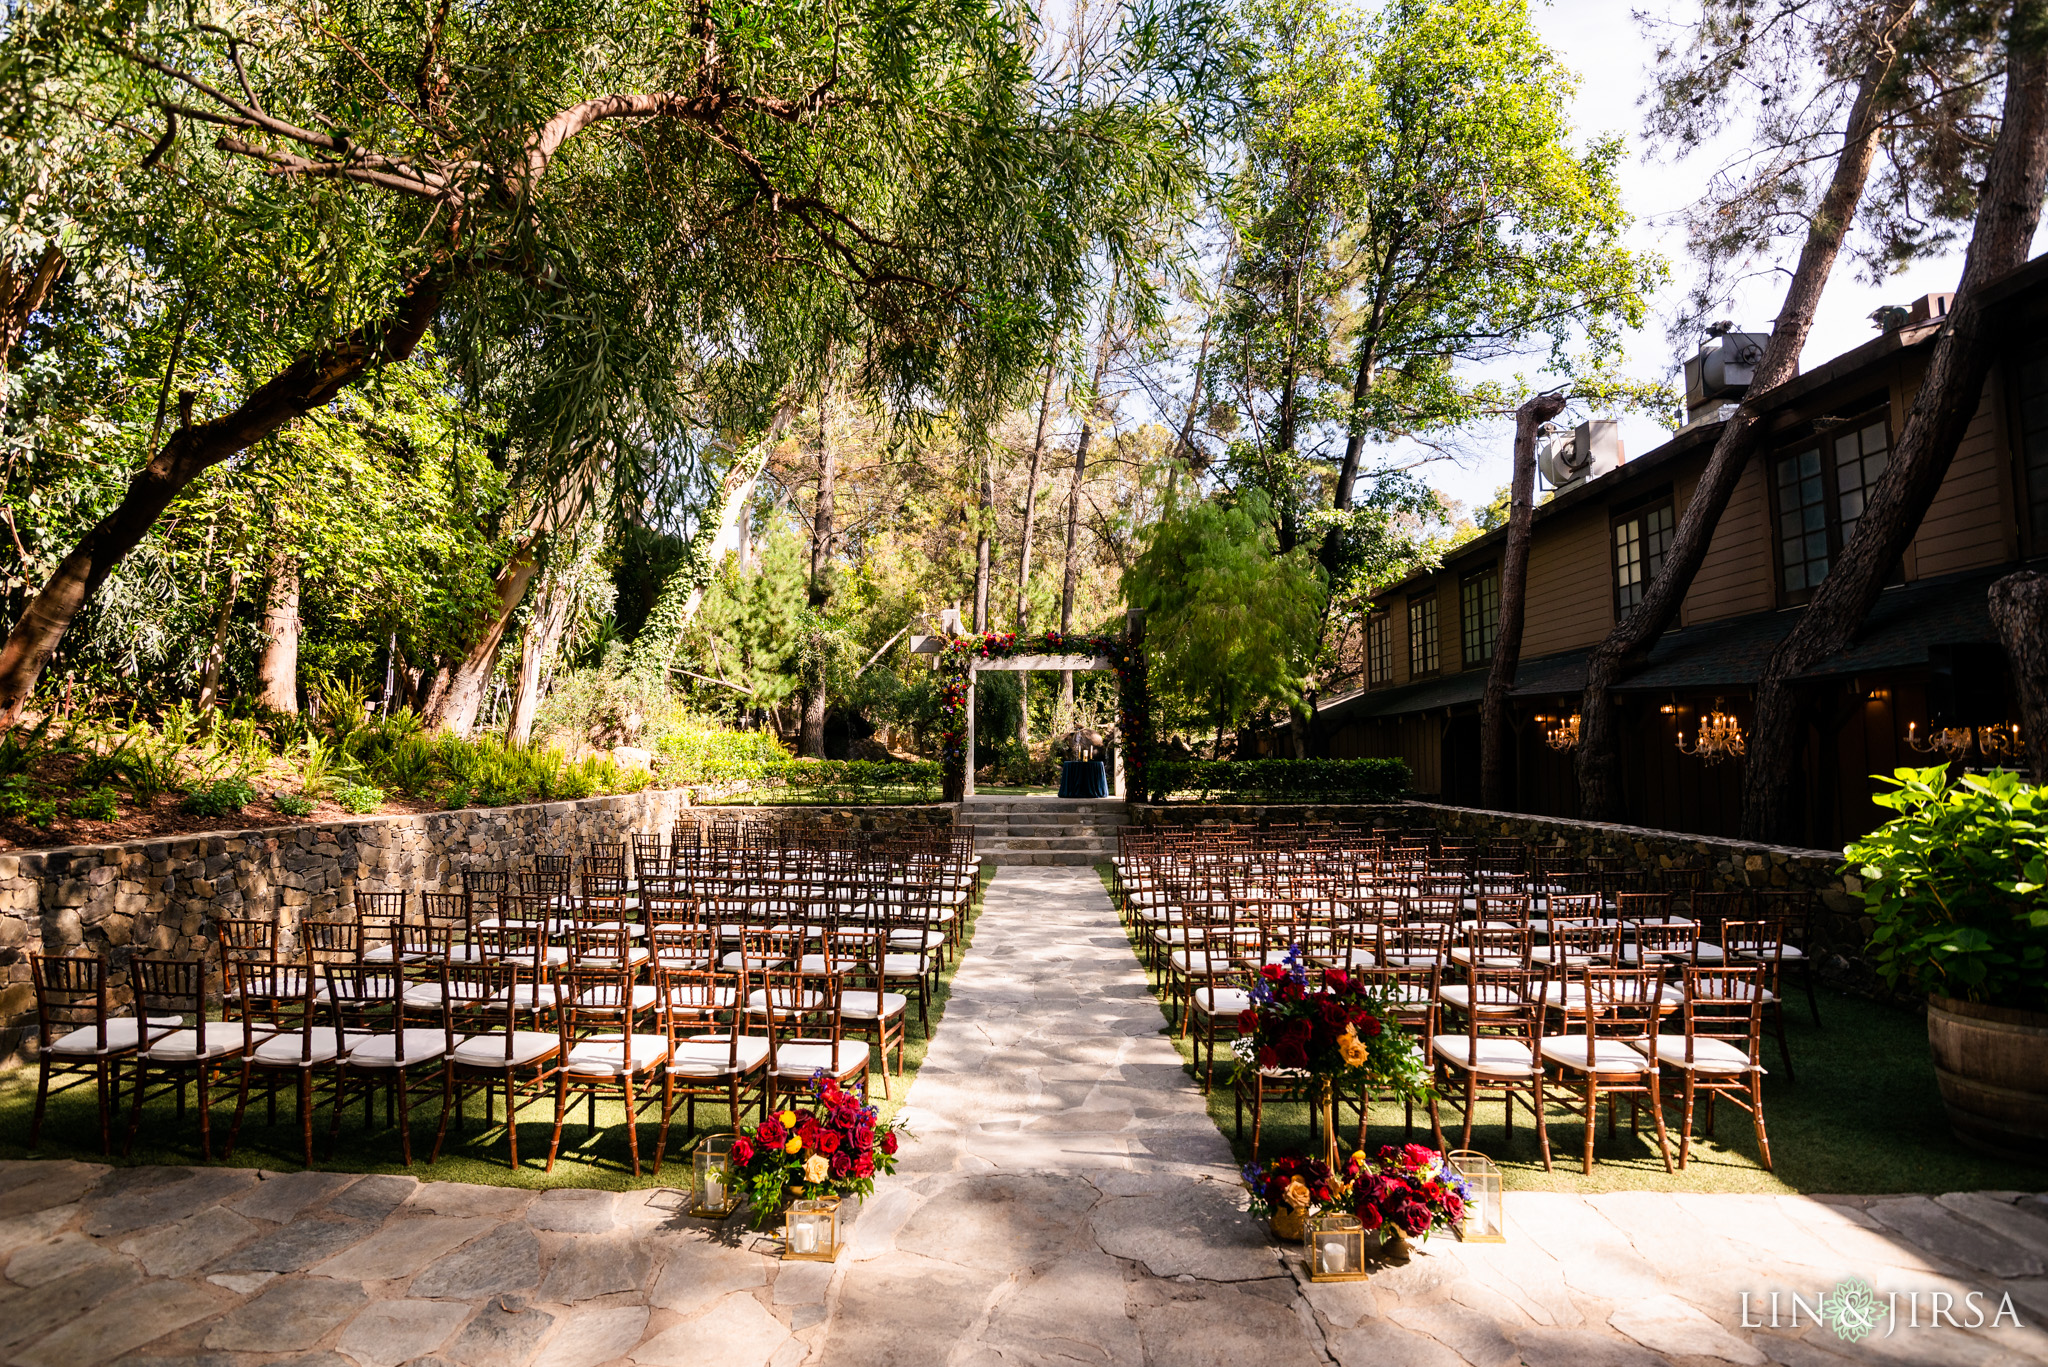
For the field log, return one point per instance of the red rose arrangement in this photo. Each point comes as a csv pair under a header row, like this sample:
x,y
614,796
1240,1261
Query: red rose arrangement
x,y
1411,1188
1334,1029
1303,1186
835,1148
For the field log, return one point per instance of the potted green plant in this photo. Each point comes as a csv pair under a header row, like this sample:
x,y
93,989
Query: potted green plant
x,y
1957,885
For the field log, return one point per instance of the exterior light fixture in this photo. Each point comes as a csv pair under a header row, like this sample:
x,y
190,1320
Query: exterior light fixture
x,y
1719,737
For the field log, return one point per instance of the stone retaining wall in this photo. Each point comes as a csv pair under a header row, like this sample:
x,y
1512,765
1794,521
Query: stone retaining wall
x,y
160,895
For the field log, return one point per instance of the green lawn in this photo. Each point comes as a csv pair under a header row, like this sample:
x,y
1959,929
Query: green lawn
x,y
1864,1117
590,1157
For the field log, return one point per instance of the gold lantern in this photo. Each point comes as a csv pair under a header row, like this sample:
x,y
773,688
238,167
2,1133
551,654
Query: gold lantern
x,y
1482,1223
1337,1247
713,1195
810,1230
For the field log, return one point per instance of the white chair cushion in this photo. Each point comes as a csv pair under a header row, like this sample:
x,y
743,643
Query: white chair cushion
x,y
422,995
644,996
712,1056
488,1051
1222,1001
381,1050
1708,1055
223,1040
531,996
1460,996
1609,1055
1494,1057
903,965
862,1006
607,1057
122,1035
802,1060
292,1048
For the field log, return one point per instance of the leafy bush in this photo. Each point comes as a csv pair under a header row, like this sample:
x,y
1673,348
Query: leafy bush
x,y
20,800
703,755
1955,883
289,805
222,797
19,748
150,765
854,781
358,797
1281,780
101,804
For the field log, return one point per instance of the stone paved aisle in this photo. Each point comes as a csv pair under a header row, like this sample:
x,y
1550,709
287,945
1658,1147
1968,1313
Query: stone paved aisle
x,y
1068,1202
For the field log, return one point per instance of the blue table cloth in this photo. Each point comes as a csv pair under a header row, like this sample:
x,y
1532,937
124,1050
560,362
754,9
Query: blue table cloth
x,y
1084,778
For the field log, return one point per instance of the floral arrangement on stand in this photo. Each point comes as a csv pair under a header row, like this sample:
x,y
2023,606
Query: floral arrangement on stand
x,y
835,1148
1288,1190
1134,709
1335,1030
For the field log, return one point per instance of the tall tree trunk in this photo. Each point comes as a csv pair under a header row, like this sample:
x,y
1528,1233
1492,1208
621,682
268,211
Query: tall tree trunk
x,y
305,385
454,707
277,664
537,643
823,529
2009,209
981,544
1628,646
2019,610
1494,732
1070,579
434,681
217,646
1024,561
23,290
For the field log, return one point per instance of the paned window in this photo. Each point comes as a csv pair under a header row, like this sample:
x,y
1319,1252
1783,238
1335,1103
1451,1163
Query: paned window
x,y
1379,649
1802,522
1422,635
1479,603
1640,541
1821,491
1860,458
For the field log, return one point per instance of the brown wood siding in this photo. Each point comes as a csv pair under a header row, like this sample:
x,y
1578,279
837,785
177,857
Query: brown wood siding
x,y
1571,584
1970,524
1735,577
1417,739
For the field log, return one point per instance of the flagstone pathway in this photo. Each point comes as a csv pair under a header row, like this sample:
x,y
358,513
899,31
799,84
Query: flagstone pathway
x,y
1067,1202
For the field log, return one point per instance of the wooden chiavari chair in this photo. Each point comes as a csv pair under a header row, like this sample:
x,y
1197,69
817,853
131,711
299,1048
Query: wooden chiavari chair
x,y
1489,1044
1720,1050
1613,1053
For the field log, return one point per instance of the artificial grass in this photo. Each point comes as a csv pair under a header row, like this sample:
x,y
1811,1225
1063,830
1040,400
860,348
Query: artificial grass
x,y
590,1157
1863,1117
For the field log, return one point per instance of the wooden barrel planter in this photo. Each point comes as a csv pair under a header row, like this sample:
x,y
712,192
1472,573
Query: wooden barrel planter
x,y
1992,1064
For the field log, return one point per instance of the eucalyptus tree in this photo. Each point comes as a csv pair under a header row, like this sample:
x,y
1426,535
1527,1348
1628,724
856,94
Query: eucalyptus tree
x,y
659,215
1410,201
1839,92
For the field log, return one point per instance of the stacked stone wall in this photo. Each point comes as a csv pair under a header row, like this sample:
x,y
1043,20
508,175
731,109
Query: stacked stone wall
x,y
161,896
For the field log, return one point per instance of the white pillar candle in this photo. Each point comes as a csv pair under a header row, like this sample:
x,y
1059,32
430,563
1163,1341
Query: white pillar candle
x,y
803,1237
714,1193
1334,1256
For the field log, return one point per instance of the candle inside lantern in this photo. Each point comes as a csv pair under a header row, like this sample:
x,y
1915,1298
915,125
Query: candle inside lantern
x,y
714,1192
803,1237
1333,1255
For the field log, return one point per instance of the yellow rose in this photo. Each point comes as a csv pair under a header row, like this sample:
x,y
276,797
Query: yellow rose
x,y
1353,1052
788,1119
794,1145
1296,1194
817,1168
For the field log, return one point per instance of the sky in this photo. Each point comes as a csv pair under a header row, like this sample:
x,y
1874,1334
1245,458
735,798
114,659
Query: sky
x,y
1601,40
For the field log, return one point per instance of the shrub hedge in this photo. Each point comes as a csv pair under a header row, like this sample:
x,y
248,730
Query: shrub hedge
x,y
1281,780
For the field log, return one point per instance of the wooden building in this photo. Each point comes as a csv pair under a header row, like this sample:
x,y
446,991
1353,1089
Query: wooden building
x,y
1926,658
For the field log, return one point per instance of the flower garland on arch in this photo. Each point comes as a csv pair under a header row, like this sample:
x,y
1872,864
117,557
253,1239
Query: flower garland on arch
x,y
1134,703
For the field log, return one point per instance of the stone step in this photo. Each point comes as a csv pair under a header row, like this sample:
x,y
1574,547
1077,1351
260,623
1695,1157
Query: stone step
x,y
1103,819
1026,846
1071,828
1016,858
975,806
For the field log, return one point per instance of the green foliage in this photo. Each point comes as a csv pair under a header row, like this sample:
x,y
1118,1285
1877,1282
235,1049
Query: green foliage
x,y
843,782
358,797
1282,780
149,765
317,766
100,804
291,805
1232,622
1955,883
222,797
703,755
21,747
21,801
